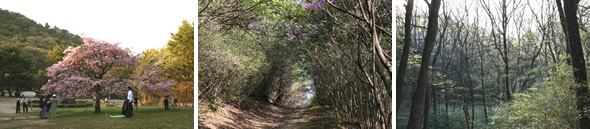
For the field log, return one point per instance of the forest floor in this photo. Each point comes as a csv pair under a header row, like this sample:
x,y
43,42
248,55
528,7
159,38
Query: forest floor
x,y
266,115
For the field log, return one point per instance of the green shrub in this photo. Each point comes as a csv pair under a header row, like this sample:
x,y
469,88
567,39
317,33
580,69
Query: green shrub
x,y
548,104
215,103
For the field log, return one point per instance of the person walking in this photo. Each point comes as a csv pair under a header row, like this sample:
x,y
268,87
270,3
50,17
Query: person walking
x,y
53,106
166,96
18,106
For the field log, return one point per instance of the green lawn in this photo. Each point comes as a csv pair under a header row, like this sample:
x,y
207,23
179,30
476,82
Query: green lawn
x,y
86,118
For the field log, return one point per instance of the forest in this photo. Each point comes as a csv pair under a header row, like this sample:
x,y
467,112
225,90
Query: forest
x,y
27,49
492,64
279,64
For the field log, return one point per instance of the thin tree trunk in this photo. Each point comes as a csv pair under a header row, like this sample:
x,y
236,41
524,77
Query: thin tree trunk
x,y
465,111
485,112
564,27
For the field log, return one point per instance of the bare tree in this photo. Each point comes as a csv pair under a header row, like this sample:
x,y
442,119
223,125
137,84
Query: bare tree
x,y
505,17
417,108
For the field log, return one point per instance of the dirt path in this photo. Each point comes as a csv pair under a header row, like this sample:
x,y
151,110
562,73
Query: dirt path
x,y
266,116
294,120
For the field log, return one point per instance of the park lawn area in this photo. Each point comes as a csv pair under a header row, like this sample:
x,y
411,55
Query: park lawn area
x,y
86,118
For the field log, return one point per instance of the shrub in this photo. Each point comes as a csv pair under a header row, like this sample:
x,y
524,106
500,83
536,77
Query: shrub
x,y
215,103
548,104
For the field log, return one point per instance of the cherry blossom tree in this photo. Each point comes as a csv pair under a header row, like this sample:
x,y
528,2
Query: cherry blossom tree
x,y
86,71
147,77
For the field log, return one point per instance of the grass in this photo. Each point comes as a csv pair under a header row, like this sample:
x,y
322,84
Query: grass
x,y
86,118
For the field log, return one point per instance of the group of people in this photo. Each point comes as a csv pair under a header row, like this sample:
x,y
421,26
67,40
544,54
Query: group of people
x,y
48,103
26,103
45,104
166,101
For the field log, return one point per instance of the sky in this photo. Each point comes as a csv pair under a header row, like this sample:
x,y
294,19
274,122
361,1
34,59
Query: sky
x,y
139,25
462,7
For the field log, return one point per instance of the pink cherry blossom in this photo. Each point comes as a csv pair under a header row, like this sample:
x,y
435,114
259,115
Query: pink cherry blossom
x,y
86,71
148,80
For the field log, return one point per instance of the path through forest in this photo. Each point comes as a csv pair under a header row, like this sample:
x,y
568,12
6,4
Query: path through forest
x,y
268,116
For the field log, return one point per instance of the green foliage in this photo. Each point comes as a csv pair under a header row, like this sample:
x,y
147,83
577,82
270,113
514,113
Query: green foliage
x,y
56,54
230,61
42,45
549,104
179,61
181,47
14,67
215,102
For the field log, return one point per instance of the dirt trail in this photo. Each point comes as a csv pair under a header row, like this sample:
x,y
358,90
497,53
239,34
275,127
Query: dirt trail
x,y
295,120
266,116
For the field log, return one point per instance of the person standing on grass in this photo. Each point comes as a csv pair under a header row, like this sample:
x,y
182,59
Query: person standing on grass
x,y
43,106
47,105
25,107
166,96
18,106
53,106
127,106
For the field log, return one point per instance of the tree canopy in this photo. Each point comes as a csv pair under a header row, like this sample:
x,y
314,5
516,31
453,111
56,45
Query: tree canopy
x,y
283,51
41,45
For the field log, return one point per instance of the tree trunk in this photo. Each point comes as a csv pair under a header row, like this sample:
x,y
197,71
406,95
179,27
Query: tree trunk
x,y
564,27
401,73
465,110
434,107
426,107
578,62
505,21
472,94
447,123
417,107
9,92
485,111
506,71
97,100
